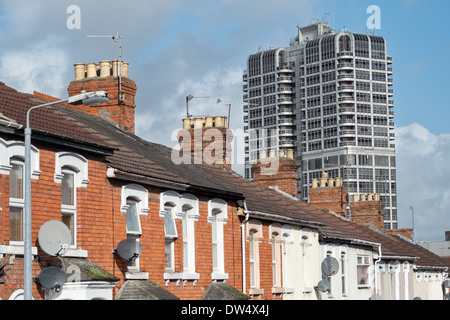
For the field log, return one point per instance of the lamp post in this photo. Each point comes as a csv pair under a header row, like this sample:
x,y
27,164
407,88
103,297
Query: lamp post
x,y
86,98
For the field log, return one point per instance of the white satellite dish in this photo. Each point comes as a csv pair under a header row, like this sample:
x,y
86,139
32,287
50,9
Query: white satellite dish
x,y
330,266
129,249
54,238
52,278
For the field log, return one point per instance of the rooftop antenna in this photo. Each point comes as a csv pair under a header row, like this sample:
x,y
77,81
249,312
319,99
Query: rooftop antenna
x,y
118,39
189,98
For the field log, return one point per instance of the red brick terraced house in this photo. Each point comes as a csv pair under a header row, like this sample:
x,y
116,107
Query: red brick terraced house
x,y
205,231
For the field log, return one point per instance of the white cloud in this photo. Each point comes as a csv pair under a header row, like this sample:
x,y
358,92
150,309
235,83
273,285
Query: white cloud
x,y
423,176
40,67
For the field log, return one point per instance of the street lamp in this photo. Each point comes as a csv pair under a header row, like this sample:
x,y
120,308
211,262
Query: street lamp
x,y
85,98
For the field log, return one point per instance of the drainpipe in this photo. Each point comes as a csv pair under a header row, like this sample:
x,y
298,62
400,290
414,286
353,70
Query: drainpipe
x,y
377,285
244,275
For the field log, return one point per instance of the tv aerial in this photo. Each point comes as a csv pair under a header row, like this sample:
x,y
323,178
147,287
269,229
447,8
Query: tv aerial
x,y
129,249
54,238
189,98
116,38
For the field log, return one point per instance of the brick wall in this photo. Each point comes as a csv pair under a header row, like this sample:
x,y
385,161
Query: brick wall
x,y
278,172
101,226
368,210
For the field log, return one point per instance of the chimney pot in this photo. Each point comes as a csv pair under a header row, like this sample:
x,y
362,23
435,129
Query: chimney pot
x,y
338,182
105,68
186,123
369,197
377,197
80,71
363,197
355,198
115,68
290,154
209,122
91,70
218,122
262,155
198,123
125,67
271,153
281,154
331,182
315,183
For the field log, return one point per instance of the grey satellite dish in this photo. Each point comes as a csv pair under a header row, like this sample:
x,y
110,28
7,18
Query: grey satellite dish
x,y
324,286
447,284
417,298
375,297
54,238
447,296
330,266
52,278
129,249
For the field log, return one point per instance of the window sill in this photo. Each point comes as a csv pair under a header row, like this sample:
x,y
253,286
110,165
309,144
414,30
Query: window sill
x,y
75,253
217,276
255,292
16,249
136,275
181,276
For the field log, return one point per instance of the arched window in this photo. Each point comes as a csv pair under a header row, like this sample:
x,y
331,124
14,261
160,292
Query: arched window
x,y
68,201
218,217
16,201
254,238
184,207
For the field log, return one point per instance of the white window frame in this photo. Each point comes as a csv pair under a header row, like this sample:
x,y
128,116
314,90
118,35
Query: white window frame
x,y
16,149
139,195
18,203
179,202
80,167
254,238
218,217
70,210
343,259
363,263
275,232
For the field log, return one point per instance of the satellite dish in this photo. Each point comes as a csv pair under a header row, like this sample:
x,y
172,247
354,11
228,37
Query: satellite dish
x,y
54,238
52,278
330,266
447,296
324,286
375,297
447,284
129,249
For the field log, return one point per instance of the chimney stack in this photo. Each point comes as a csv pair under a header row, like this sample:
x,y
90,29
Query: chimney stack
x,y
329,194
112,77
368,209
277,171
206,140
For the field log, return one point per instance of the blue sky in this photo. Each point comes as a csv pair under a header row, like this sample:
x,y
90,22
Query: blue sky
x,y
200,47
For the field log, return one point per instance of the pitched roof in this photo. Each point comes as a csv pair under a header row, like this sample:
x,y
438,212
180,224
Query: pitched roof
x,y
136,158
